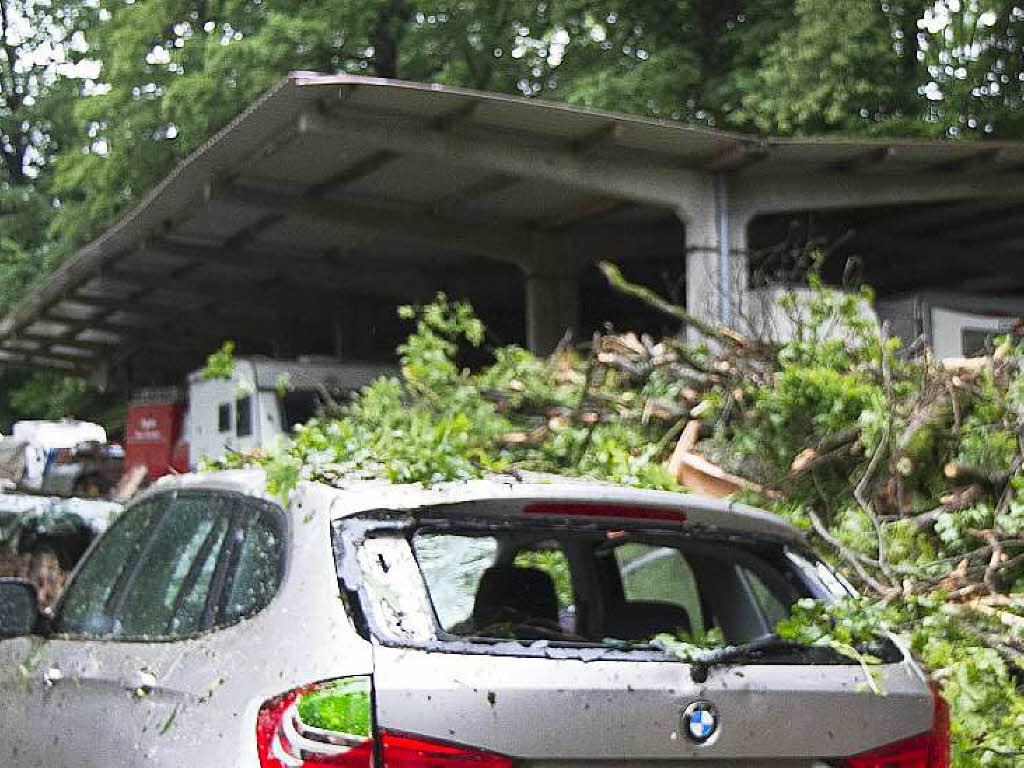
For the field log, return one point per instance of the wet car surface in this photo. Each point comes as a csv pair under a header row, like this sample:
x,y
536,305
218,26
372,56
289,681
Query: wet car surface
x,y
487,624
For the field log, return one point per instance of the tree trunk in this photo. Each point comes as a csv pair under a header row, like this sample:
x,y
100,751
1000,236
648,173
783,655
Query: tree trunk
x,y
392,20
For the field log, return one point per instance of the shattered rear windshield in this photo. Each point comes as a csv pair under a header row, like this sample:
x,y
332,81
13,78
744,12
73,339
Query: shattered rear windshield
x,y
611,587
606,587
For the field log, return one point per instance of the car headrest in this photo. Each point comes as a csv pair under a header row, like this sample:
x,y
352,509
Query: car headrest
x,y
640,620
504,588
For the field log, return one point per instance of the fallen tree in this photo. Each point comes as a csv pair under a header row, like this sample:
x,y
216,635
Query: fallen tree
x,y
906,469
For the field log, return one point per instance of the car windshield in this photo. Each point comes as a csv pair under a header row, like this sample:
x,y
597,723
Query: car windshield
x,y
584,586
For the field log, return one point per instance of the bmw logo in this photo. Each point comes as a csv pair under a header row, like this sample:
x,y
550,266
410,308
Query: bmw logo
x,y
700,721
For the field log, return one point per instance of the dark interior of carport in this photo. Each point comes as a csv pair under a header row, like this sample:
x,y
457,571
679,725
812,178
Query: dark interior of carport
x,y
302,244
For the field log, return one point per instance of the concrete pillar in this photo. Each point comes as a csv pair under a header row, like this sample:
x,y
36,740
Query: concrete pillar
x,y
717,279
739,266
552,307
702,278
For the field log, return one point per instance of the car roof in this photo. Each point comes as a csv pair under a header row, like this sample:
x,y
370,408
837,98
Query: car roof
x,y
347,497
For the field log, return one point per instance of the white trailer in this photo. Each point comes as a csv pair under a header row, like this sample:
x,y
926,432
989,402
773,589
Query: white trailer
x,y
954,325
263,400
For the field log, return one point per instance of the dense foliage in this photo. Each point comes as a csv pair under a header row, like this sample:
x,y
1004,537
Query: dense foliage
x,y
441,422
907,472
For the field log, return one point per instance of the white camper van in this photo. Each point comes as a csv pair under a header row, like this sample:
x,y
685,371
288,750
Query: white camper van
x,y
264,399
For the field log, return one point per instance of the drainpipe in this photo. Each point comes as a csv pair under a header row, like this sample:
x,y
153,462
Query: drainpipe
x,y
722,236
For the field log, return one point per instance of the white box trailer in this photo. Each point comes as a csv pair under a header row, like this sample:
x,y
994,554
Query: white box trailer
x,y
764,316
953,325
263,400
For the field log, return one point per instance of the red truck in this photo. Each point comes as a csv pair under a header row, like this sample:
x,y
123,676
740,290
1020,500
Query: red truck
x,y
154,432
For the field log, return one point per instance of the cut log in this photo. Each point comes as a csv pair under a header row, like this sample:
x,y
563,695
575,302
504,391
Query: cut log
x,y
700,475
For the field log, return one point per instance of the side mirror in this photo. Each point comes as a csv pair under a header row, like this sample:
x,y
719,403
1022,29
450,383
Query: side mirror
x,y
19,607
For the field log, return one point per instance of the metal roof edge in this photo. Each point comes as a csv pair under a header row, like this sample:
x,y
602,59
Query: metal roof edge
x,y
91,255
527,102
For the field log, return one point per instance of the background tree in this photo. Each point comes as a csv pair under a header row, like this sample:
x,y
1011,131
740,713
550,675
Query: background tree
x,y
41,47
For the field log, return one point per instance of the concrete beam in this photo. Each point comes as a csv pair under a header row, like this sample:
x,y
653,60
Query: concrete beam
x,y
183,325
866,159
776,194
243,289
148,309
737,157
982,160
184,343
84,344
352,173
330,276
942,214
81,361
500,240
488,185
590,208
70,274
645,181
40,362
989,231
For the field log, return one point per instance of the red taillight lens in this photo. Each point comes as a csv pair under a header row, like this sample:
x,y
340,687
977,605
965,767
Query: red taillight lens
x,y
621,511
328,724
406,751
319,726
926,750
940,732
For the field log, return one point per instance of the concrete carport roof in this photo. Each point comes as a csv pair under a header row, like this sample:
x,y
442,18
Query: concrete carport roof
x,y
334,196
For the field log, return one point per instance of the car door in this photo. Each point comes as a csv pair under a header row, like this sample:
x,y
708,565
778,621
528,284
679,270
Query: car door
x,y
38,709
105,684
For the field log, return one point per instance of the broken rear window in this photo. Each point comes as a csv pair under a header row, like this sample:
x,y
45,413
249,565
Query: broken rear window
x,y
499,579
608,587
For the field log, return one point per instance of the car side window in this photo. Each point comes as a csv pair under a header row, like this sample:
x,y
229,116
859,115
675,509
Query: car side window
x,y
182,564
773,608
661,575
254,579
179,551
83,609
548,556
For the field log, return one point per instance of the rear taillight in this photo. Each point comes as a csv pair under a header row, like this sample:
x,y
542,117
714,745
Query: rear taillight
x,y
402,750
926,750
329,724
326,724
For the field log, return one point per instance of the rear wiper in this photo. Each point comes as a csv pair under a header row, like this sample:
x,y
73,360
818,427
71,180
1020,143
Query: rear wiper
x,y
755,649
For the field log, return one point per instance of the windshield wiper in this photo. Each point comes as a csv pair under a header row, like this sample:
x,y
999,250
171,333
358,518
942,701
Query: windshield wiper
x,y
755,649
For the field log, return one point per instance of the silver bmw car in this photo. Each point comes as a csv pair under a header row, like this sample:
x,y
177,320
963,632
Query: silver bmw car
x,y
487,624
